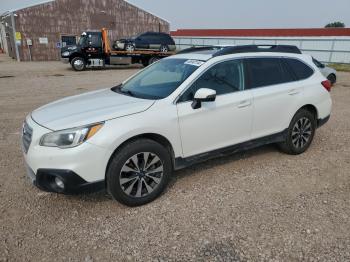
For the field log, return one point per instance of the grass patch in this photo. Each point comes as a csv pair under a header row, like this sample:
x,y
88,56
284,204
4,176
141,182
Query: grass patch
x,y
340,67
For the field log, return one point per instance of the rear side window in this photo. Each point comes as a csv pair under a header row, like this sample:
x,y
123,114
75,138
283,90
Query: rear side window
x,y
300,69
267,71
167,39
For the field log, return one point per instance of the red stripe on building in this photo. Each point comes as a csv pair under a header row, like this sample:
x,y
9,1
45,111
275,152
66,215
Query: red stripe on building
x,y
263,32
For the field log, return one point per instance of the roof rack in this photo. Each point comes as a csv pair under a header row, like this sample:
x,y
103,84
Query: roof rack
x,y
258,48
198,49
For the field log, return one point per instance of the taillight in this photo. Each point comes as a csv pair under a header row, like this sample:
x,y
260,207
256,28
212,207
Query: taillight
x,y
327,84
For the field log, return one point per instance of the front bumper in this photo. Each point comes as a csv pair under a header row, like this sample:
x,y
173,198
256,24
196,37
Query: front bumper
x,y
120,45
81,168
65,60
73,183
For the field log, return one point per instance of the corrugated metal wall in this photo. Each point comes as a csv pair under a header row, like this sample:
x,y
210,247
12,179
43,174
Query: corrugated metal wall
x,y
325,49
72,17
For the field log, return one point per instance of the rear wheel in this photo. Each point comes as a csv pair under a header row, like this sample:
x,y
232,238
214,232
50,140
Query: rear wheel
x,y
332,78
145,62
139,172
300,133
153,60
164,49
78,64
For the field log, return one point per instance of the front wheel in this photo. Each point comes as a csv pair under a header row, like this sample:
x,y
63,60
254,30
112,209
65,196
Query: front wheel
x,y
139,172
78,64
129,48
300,133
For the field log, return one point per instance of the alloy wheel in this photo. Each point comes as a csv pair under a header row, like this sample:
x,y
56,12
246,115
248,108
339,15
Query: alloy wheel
x,y
130,48
141,174
301,132
164,49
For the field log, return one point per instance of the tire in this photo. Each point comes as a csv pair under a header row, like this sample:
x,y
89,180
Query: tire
x,y
164,49
78,64
153,60
134,184
129,47
332,78
145,62
300,133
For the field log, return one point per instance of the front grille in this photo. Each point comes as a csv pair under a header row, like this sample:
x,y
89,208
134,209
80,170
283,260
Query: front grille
x,y
27,133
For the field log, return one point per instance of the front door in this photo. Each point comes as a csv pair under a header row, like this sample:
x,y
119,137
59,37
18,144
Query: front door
x,y
222,123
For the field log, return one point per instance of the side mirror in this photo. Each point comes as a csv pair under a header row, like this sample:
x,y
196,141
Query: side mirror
x,y
203,95
322,66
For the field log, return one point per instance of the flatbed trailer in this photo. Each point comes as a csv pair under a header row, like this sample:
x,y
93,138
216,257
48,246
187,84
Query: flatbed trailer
x,y
94,51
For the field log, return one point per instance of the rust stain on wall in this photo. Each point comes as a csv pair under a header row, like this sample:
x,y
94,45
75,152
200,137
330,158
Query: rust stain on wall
x,y
72,17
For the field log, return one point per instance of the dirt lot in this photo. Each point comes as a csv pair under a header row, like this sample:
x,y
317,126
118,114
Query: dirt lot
x,y
260,205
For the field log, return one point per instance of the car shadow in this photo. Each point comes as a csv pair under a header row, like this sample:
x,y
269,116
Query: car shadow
x,y
116,67
221,160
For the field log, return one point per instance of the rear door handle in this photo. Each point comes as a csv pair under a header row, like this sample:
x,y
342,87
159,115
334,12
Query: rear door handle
x,y
244,103
293,92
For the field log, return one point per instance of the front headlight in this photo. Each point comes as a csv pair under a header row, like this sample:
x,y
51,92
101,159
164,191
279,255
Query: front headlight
x,y
70,137
66,53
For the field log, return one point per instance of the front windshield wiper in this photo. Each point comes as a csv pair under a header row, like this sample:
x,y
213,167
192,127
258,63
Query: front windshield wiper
x,y
128,92
119,89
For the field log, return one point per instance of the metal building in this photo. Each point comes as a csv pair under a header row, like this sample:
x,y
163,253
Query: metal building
x,y
38,32
329,45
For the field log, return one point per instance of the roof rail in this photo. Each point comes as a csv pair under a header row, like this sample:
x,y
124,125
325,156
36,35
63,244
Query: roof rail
x,y
258,48
198,49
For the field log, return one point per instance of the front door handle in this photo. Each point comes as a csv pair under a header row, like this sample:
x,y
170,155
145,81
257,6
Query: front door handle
x,y
244,103
293,92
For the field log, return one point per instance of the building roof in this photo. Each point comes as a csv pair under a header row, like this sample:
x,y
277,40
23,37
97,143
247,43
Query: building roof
x,y
40,2
23,6
298,32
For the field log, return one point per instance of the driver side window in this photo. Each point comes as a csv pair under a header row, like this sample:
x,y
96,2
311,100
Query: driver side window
x,y
226,77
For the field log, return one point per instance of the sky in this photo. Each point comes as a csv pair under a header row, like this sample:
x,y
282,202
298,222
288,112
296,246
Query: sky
x,y
235,13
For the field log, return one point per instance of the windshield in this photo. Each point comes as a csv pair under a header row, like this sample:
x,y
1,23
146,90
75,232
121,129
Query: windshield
x,y
160,79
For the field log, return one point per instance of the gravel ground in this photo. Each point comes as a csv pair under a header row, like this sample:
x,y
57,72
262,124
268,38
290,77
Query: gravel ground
x,y
259,205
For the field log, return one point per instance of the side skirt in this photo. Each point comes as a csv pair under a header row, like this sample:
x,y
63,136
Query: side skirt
x,y
189,161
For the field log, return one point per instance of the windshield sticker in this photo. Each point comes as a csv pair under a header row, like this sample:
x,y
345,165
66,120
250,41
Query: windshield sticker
x,y
194,62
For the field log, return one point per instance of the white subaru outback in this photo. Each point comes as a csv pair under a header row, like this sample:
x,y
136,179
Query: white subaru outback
x,y
181,110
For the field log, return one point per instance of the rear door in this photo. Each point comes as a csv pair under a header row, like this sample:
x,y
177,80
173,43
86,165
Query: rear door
x,y
275,93
142,41
155,41
222,123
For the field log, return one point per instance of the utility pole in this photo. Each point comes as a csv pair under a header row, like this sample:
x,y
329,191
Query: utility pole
x,y
14,35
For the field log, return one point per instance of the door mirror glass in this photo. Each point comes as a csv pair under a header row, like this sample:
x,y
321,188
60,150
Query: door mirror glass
x,y
203,95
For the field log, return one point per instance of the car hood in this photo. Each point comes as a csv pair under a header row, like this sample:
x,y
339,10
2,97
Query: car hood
x,y
88,108
69,48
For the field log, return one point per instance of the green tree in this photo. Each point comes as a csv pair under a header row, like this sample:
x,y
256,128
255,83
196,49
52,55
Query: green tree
x,y
335,24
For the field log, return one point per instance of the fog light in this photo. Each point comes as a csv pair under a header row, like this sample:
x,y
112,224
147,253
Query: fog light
x,y
59,183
